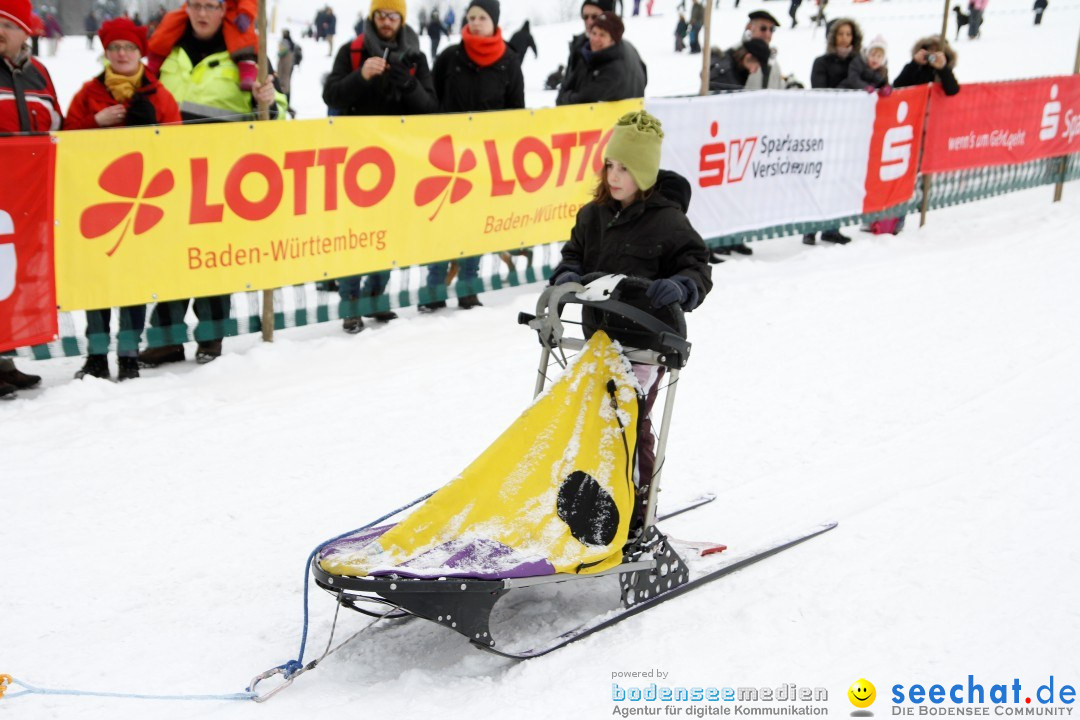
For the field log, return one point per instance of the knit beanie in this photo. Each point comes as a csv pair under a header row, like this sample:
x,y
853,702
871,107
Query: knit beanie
x,y
612,24
18,12
635,142
123,28
397,6
491,7
877,42
605,5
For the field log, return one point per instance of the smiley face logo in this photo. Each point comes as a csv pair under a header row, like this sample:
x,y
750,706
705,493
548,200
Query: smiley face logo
x,y
862,693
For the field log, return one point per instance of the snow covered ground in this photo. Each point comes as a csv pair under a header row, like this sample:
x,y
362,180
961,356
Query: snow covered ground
x,y
922,390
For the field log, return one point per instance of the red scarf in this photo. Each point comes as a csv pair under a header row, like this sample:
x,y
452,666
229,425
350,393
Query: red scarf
x,y
483,51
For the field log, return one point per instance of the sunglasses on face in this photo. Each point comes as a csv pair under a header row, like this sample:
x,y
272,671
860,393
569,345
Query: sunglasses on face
x,y
387,15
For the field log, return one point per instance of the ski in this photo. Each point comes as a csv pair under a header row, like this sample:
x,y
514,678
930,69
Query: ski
x,y
611,619
687,506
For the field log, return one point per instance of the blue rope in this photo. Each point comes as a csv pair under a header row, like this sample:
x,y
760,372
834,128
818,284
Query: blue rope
x,y
292,667
33,690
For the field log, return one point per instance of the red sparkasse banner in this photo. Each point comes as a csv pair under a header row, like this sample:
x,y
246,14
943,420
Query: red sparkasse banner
x,y
1003,123
27,277
893,161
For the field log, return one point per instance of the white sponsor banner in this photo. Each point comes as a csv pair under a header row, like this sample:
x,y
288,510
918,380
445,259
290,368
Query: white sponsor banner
x,y
773,157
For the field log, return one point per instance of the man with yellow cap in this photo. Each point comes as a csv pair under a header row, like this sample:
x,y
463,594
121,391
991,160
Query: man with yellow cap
x,y
381,72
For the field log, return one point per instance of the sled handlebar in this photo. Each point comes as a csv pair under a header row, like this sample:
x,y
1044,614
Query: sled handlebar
x,y
603,294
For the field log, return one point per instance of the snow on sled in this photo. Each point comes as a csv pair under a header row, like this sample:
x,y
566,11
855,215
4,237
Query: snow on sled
x,y
557,498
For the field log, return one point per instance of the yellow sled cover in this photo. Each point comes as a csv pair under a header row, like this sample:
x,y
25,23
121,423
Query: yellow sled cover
x,y
553,494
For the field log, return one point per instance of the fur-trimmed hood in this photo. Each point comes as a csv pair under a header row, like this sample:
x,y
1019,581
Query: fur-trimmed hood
x,y
933,43
856,36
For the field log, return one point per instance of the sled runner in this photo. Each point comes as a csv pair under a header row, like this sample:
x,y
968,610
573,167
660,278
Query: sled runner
x,y
559,497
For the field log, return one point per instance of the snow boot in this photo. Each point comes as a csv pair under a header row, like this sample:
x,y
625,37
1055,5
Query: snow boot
x,y
152,357
209,351
810,239
384,316
7,391
468,302
249,73
127,368
95,366
835,236
20,380
742,249
352,325
431,306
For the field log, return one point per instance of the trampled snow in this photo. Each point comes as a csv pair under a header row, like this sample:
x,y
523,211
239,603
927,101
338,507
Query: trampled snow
x,y
922,390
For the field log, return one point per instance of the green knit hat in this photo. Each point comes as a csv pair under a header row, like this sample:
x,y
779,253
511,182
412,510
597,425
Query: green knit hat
x,y
635,142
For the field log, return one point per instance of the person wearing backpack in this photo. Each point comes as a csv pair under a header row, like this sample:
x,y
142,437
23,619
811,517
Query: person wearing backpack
x,y
382,72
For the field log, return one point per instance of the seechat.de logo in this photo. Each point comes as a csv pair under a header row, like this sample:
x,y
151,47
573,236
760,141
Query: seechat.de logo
x,y
123,178
862,694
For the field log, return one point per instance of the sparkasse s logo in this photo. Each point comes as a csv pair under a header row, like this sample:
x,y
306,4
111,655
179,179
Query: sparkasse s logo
x,y
1050,116
123,178
896,148
724,162
9,261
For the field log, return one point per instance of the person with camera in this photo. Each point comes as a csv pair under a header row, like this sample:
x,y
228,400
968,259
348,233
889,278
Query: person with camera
x,y
932,60
382,72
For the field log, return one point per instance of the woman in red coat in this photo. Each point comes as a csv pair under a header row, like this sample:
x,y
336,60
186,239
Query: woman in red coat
x,y
127,94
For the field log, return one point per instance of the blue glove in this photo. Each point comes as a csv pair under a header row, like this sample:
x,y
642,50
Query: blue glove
x,y
678,289
243,22
566,276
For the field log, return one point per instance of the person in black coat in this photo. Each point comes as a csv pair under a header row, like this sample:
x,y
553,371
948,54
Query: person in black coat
x,y
636,225
632,65
363,82
435,31
843,42
479,74
607,71
932,60
1040,8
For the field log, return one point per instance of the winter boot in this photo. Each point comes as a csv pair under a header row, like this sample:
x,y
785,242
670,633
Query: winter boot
x,y
209,351
128,368
7,391
153,357
20,380
352,325
431,306
384,316
468,302
835,236
95,366
742,249
809,239
249,73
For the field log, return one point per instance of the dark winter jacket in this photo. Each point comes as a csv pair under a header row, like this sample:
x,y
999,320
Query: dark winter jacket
x,y
348,93
604,75
152,104
697,14
915,74
630,70
861,76
27,98
435,28
651,239
1040,4
830,69
464,86
725,71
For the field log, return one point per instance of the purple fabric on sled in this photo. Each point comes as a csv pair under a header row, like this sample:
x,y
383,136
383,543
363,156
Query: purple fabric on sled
x,y
478,560
352,543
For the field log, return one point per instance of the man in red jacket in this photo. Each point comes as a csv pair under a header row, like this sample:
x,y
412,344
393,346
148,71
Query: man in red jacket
x,y
27,104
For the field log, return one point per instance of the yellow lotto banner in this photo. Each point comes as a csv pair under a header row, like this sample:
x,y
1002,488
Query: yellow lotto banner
x,y
174,212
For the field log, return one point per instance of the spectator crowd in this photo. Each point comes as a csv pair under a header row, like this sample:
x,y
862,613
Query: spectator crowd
x,y
198,65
